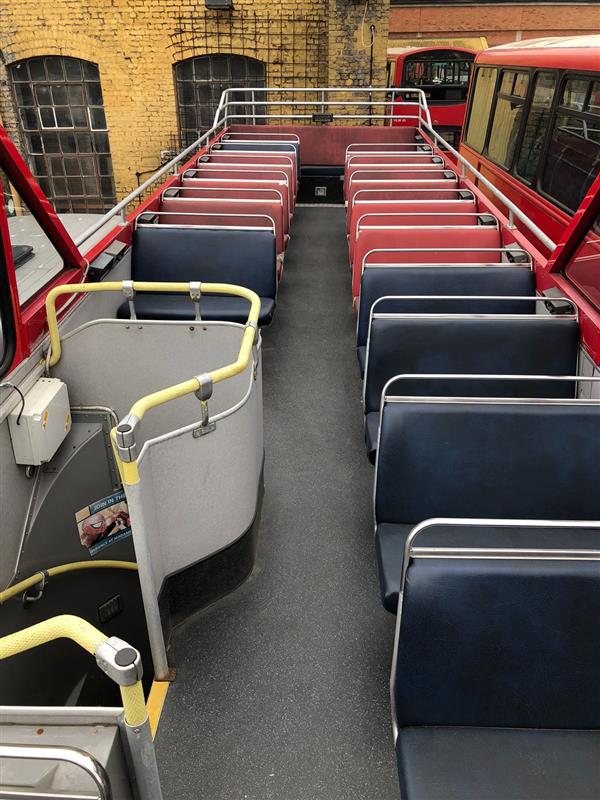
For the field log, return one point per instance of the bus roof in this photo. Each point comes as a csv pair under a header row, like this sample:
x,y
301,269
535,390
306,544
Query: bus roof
x,y
567,52
405,51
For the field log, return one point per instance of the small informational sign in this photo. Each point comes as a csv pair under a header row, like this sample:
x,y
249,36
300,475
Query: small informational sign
x,y
324,119
104,522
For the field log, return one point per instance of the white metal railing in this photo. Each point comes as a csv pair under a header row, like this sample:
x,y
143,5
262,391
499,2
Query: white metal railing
x,y
259,101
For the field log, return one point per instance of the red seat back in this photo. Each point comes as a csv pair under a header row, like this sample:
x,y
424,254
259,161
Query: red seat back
x,y
253,171
215,207
388,164
358,209
242,185
234,158
384,221
411,184
429,246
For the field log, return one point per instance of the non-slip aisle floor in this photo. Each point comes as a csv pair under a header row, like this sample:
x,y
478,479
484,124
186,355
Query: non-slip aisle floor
x,y
282,687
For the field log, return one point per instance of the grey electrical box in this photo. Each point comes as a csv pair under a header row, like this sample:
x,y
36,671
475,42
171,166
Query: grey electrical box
x,y
220,5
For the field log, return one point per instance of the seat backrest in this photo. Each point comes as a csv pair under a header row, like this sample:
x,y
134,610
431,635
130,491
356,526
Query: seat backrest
x,y
415,219
361,208
272,209
270,146
499,281
244,184
498,642
391,165
526,459
530,345
234,157
246,258
472,246
386,185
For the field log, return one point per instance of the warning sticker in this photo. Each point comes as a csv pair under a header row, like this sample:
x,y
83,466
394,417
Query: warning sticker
x,y
104,522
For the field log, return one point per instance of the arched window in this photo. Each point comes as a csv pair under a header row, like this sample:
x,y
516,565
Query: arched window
x,y
59,101
200,82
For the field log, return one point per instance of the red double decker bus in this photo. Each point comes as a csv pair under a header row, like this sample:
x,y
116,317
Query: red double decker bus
x,y
533,125
443,73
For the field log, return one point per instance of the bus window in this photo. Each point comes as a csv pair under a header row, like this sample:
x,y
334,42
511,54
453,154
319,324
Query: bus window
x,y
506,121
536,125
584,268
574,152
35,258
481,103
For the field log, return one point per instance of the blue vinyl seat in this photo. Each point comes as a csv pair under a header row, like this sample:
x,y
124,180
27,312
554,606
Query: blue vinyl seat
x,y
241,257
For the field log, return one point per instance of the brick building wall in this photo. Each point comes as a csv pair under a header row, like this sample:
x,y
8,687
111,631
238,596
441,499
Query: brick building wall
x,y
136,43
499,23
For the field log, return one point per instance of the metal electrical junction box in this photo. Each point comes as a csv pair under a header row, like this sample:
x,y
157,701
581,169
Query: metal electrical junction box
x,y
43,424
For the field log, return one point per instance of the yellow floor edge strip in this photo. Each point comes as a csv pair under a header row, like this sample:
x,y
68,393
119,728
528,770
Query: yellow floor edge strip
x,y
155,703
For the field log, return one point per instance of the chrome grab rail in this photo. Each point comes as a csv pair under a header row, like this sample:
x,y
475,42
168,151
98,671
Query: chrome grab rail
x,y
69,755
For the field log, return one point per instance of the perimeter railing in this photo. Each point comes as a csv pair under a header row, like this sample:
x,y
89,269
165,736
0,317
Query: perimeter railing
x,y
321,106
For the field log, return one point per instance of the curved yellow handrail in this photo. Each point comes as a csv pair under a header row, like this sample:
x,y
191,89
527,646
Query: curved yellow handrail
x,y
68,626
128,469
38,577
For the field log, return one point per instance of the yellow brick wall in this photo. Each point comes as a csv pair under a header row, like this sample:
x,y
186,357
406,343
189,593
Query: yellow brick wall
x,y
136,42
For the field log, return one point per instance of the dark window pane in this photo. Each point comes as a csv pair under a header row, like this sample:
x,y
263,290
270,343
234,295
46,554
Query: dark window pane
x,y
59,95
106,186
55,69
184,71
87,165
75,94
24,94
94,94
51,144
573,160
37,70
72,166
72,69
47,117
104,165
575,93
45,186
63,117
39,165
68,143
101,143
186,93
20,72
90,187
35,143
536,125
220,67
59,186
56,166
90,71
84,143
43,95
238,68
97,119
80,117
29,119
202,68
75,186
593,104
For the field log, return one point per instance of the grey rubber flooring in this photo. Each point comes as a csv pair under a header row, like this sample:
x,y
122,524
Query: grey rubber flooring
x,y
282,686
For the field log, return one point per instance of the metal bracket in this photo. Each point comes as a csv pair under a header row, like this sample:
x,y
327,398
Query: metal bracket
x,y
196,294
129,294
255,326
125,438
119,661
204,393
28,598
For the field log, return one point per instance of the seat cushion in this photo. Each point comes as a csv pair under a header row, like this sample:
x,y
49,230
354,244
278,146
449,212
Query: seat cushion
x,y
389,546
371,429
361,353
440,763
212,307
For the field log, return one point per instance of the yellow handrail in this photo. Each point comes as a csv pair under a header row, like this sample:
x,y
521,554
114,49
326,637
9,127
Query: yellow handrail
x,y
128,469
68,626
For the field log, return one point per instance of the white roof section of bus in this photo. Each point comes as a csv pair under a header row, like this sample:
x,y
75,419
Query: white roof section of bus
x,y
562,42
45,263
